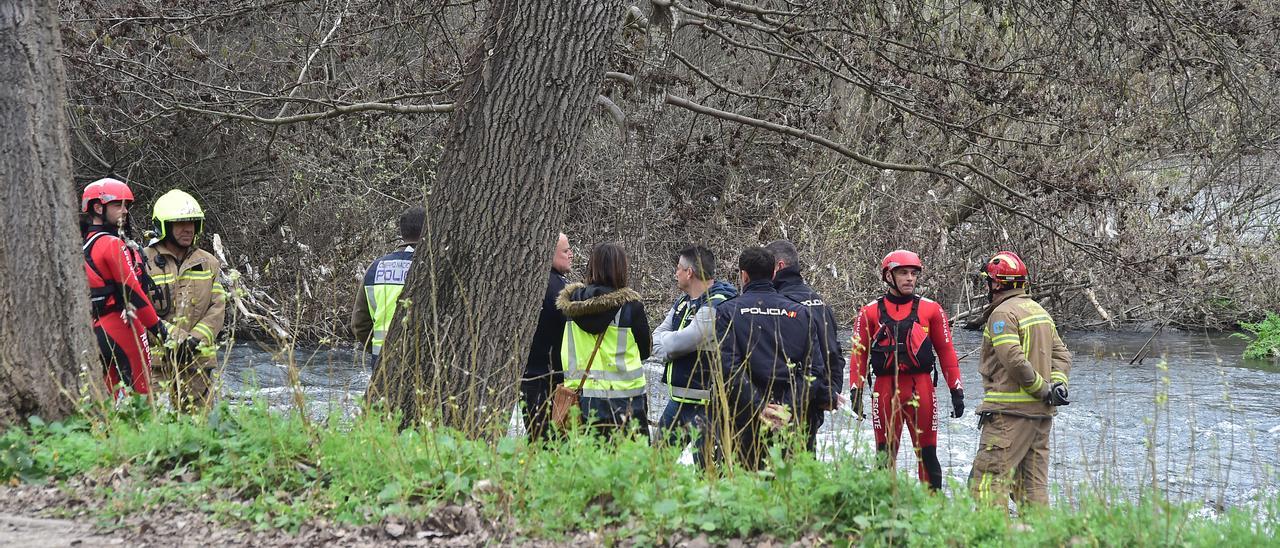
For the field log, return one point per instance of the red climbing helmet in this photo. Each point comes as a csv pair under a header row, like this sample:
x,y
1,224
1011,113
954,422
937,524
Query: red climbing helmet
x,y
1005,267
105,191
899,259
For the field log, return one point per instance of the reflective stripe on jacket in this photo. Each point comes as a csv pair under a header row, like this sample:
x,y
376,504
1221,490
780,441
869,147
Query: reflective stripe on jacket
x,y
688,375
1022,356
194,301
616,372
380,292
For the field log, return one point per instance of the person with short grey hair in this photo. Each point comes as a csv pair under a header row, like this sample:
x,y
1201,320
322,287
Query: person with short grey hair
x,y
790,283
542,368
685,340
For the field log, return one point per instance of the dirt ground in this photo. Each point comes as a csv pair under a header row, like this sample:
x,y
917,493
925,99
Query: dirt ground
x,y
32,515
49,516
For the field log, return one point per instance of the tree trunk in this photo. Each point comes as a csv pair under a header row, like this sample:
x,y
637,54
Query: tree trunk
x,y
457,346
44,336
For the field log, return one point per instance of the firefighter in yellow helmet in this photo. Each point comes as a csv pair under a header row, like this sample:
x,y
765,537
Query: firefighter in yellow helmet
x,y
188,295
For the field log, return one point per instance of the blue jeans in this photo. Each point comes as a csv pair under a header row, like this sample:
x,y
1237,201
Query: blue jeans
x,y
682,423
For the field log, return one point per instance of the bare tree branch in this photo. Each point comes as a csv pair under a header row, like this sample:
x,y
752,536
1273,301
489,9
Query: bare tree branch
x,y
335,111
845,151
616,112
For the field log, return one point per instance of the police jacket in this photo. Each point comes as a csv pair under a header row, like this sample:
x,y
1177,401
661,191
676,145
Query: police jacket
x,y
377,298
768,349
1022,355
607,331
790,284
544,350
686,340
189,296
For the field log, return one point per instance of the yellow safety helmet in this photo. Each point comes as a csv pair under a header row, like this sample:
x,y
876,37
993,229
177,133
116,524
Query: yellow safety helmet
x,y
176,206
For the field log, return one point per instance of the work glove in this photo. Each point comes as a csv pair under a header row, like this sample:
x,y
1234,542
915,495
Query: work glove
x,y
957,403
856,396
186,351
161,331
1057,395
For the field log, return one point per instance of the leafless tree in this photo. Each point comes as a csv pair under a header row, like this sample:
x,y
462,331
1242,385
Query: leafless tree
x,y
1124,147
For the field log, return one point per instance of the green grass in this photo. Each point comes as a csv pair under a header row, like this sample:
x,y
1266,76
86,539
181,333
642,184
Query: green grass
x,y
1264,344
272,470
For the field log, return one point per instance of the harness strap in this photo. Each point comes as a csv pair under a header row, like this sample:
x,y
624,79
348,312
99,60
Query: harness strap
x,y
900,337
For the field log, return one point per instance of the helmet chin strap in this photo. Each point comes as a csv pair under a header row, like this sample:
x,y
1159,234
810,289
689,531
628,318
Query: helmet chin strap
x,y
994,287
893,284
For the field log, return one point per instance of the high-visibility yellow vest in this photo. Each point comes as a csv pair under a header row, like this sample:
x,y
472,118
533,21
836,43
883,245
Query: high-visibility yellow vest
x,y
382,286
617,371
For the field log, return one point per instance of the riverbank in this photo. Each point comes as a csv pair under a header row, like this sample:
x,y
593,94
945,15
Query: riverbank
x,y
271,478
1211,413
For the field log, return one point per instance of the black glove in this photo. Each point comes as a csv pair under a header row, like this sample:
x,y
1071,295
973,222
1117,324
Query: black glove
x,y
957,403
856,396
1057,395
160,331
186,351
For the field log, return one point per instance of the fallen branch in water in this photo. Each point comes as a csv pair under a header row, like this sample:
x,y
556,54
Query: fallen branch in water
x,y
1142,352
244,298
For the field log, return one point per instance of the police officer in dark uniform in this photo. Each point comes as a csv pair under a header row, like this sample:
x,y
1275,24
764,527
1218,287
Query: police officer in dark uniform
x,y
770,359
790,283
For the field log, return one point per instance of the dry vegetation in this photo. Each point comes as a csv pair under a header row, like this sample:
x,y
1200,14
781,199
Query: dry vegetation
x,y
1126,148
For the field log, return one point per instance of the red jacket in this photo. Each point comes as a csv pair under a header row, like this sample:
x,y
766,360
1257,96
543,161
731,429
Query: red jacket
x,y
932,320
114,271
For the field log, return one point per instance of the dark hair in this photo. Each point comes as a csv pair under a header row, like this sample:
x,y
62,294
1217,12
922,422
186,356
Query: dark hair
x,y
607,266
757,262
701,259
411,222
784,251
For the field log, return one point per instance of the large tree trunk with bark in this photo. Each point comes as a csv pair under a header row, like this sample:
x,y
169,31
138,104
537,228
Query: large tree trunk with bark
x,y
44,335
456,348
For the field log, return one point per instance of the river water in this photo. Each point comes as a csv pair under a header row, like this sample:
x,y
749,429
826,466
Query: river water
x,y
1194,420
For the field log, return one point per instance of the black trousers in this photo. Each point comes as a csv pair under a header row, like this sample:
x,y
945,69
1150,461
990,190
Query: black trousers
x,y
813,422
535,400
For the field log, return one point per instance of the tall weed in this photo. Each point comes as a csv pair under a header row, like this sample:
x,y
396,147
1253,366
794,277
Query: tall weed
x,y
273,471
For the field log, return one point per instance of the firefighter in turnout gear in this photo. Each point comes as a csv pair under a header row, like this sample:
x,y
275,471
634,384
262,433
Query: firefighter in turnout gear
x,y
1024,368
188,295
900,337
122,313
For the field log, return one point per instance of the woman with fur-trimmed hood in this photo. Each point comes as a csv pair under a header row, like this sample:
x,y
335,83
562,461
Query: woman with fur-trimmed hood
x,y
607,327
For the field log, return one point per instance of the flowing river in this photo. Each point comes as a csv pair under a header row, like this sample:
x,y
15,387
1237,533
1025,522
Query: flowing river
x,y
1193,420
